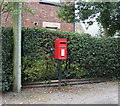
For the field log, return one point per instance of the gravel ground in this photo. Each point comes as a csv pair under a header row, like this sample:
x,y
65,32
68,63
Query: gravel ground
x,y
100,93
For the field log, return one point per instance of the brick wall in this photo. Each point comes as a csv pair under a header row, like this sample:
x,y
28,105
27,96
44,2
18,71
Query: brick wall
x,y
43,13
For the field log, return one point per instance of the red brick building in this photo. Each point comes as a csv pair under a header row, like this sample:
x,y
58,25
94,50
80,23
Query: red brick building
x,y
44,16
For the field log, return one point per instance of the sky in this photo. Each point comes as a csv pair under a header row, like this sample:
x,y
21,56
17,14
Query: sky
x,y
93,29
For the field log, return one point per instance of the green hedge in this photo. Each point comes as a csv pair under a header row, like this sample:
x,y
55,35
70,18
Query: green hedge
x,y
87,56
7,66
38,61
98,57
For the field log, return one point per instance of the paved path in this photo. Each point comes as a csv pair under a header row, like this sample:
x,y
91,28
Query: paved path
x,y
102,93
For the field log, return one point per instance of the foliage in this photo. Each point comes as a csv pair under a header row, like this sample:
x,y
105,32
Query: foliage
x,y
106,13
7,64
87,56
38,70
38,45
98,57
67,10
7,7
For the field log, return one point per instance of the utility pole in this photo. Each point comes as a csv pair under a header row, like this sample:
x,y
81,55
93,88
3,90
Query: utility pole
x,y
17,46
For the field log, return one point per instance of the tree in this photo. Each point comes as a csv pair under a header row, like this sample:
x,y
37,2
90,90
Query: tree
x,y
7,8
106,13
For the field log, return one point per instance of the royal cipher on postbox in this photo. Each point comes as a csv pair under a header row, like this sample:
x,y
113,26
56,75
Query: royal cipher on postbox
x,y
60,50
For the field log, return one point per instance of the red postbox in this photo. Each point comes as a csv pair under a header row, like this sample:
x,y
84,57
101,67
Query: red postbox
x,y
60,50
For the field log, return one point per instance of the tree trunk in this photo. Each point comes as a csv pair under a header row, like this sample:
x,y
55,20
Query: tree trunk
x,y
105,32
17,47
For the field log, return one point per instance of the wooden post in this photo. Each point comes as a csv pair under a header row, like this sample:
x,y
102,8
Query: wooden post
x,y
17,47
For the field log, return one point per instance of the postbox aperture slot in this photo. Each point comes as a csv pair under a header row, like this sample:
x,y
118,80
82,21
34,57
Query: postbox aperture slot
x,y
62,42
